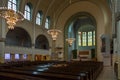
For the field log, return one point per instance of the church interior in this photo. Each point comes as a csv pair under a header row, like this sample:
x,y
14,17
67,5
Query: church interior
x,y
59,39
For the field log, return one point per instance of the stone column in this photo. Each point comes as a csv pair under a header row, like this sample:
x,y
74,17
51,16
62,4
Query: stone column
x,y
21,57
12,56
2,39
54,54
2,46
33,52
118,49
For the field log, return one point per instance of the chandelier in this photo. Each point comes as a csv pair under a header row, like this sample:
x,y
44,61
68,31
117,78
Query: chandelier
x,y
70,41
54,33
11,16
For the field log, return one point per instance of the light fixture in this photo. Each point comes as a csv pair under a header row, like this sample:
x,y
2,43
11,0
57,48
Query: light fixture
x,y
11,16
54,33
70,41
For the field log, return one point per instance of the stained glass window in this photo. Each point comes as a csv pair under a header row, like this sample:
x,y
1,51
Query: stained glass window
x,y
93,37
90,38
84,39
79,38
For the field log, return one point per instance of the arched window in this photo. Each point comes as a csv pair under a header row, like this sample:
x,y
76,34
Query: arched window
x,y
13,4
39,18
27,12
47,23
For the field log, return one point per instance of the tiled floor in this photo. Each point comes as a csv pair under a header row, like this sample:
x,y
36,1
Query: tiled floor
x,y
107,74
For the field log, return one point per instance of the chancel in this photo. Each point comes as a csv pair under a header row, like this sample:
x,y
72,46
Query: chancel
x,y
59,40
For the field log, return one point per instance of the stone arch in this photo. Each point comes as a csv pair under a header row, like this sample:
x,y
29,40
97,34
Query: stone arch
x,y
41,42
73,19
18,37
98,11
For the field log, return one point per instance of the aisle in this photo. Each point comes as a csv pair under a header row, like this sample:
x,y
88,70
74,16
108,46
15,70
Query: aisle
x,y
107,74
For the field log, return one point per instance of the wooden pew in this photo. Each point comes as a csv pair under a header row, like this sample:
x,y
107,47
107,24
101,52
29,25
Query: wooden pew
x,y
87,70
13,76
50,76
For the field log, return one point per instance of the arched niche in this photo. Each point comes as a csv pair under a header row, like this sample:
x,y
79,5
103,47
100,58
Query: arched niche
x,y
18,37
41,42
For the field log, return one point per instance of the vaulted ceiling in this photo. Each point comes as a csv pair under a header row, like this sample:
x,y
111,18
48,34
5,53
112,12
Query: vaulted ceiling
x,y
50,7
62,10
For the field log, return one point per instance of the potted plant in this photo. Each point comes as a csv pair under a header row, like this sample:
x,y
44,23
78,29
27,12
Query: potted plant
x,y
74,53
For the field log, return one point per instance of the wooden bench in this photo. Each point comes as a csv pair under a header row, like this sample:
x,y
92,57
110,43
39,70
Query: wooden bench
x,y
13,76
78,70
50,76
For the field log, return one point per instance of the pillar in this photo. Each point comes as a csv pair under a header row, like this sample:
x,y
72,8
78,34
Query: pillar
x,y
33,52
2,39
2,45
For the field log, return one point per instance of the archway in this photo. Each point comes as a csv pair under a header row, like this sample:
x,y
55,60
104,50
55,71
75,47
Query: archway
x,y
18,37
41,42
81,26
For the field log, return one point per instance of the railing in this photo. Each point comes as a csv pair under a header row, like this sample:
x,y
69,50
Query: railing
x,y
24,50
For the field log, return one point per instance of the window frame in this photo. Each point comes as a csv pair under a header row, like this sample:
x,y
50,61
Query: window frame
x,y
47,22
13,4
90,36
39,18
82,42
28,11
